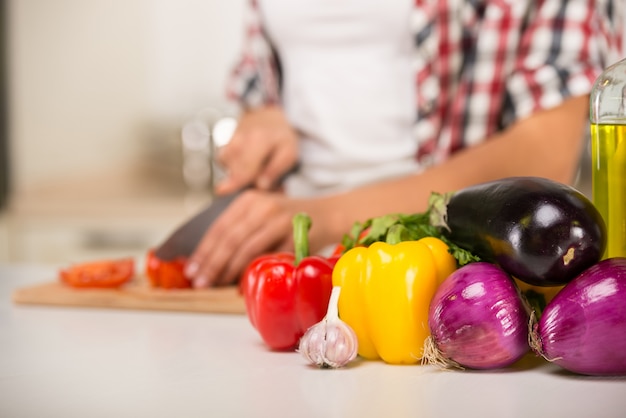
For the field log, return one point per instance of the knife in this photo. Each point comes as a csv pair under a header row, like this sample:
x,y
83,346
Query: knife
x,y
184,240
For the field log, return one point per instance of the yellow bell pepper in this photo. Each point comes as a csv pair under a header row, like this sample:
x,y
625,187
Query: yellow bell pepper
x,y
386,292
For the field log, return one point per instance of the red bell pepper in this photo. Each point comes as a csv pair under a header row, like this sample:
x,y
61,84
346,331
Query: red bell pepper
x,y
287,293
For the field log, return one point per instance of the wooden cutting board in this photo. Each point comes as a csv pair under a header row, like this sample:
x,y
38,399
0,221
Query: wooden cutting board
x,y
135,295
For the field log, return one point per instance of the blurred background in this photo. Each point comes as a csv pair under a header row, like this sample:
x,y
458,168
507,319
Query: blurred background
x,y
94,97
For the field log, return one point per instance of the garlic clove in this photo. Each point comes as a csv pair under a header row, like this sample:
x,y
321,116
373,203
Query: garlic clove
x,y
331,343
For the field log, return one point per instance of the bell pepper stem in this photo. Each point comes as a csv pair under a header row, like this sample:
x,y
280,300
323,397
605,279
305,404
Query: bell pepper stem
x,y
301,225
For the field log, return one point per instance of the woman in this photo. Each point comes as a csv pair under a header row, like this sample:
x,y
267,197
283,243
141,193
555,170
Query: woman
x,y
365,110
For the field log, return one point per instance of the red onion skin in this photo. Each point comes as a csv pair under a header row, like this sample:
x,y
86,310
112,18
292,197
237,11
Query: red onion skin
x,y
478,319
583,329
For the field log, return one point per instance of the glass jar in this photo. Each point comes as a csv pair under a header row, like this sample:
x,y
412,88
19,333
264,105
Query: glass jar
x,y
608,154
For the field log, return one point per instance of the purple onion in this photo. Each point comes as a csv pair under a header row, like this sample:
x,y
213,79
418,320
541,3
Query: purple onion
x,y
477,320
583,329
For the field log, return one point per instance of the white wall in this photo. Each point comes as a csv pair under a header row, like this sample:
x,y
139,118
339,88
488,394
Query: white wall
x,y
92,82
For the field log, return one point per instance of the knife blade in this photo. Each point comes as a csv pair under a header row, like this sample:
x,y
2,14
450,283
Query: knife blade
x,y
184,240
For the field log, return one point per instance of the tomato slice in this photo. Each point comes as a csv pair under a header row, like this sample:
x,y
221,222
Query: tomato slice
x,y
166,274
340,249
99,274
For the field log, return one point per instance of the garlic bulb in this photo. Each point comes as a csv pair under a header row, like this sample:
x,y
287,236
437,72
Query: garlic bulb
x,y
331,343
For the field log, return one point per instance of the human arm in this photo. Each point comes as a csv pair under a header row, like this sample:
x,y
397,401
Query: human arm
x,y
546,144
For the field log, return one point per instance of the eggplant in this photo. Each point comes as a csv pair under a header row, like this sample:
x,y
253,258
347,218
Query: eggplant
x,y
540,231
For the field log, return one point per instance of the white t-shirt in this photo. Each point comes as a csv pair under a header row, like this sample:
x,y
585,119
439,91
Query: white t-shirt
x,y
348,88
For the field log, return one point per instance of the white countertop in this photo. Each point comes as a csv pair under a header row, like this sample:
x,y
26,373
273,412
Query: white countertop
x,y
81,362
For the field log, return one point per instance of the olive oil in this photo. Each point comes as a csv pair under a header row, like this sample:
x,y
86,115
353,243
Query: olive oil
x,y
608,153
607,115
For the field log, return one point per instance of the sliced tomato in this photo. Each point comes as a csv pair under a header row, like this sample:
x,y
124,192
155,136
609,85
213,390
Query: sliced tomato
x,y
167,274
99,274
340,249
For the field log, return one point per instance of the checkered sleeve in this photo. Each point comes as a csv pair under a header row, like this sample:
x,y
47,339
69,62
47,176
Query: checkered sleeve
x,y
255,78
563,50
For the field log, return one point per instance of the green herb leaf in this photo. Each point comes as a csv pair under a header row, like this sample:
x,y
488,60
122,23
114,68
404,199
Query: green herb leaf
x,y
396,228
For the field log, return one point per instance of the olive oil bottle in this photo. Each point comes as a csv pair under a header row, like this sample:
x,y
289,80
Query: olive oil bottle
x,y
608,154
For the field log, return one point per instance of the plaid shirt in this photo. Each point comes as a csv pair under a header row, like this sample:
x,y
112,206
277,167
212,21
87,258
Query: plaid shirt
x,y
479,65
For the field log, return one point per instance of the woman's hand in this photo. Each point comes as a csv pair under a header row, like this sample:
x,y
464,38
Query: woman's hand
x,y
263,148
255,223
